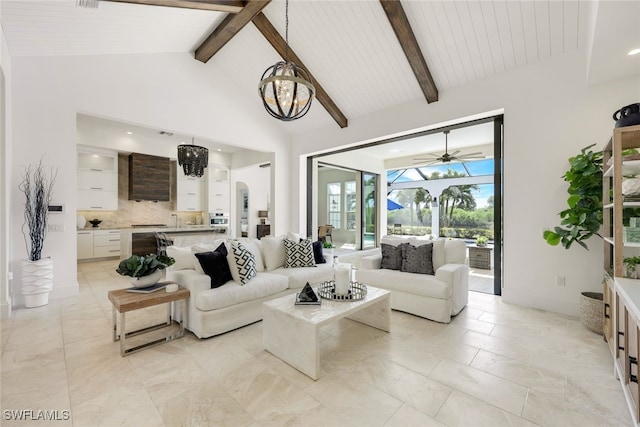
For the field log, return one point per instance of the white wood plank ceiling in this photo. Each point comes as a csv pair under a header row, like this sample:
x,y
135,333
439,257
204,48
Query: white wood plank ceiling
x,y
348,45
58,27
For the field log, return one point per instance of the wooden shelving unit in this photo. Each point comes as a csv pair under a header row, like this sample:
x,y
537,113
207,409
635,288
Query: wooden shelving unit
x,y
621,295
614,205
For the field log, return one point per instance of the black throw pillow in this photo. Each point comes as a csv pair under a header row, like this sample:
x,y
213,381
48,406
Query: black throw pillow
x,y
318,255
215,265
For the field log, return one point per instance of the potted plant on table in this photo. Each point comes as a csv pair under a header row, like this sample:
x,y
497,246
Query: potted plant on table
x,y
481,241
630,264
37,273
144,270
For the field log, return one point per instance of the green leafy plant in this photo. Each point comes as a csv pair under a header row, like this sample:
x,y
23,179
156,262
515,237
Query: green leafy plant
x,y
327,245
139,266
481,240
583,218
630,264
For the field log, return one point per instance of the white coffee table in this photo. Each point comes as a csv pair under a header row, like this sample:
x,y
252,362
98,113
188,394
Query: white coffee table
x,y
292,332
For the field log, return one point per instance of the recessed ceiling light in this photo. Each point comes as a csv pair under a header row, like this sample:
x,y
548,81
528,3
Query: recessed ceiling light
x,y
633,52
219,149
129,133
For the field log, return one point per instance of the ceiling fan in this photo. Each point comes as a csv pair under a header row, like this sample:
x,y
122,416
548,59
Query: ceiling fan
x,y
446,157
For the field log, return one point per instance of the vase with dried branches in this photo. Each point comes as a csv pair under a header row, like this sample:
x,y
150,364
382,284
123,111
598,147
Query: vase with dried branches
x,y
37,273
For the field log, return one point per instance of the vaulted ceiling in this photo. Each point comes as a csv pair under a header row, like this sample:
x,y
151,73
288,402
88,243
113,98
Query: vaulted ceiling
x,y
351,47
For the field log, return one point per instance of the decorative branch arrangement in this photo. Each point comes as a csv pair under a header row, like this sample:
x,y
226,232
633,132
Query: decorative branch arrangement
x,y
38,190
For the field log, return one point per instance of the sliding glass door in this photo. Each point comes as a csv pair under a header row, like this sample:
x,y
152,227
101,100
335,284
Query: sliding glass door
x,y
369,227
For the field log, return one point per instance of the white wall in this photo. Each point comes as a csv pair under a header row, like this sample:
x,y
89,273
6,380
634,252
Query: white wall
x,y
549,115
5,176
47,93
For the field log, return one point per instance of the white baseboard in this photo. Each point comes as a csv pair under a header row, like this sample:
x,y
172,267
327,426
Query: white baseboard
x,y
5,310
554,305
58,292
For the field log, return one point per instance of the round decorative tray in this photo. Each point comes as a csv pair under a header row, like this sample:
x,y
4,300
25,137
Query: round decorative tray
x,y
357,291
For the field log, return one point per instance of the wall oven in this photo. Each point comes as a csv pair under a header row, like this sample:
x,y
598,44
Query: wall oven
x,y
219,221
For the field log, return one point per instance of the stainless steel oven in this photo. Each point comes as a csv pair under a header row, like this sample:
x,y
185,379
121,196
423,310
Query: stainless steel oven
x,y
219,219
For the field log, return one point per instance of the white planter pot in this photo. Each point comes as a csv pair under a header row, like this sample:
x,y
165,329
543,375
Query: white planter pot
x,y
37,281
149,280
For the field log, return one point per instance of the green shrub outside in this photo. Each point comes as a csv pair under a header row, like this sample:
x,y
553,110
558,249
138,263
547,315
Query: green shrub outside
x,y
455,232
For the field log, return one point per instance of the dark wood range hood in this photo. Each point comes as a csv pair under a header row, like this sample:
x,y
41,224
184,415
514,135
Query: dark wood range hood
x,y
149,178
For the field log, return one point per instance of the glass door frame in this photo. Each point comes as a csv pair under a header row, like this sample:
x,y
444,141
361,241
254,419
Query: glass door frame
x,y
365,223
312,175
498,147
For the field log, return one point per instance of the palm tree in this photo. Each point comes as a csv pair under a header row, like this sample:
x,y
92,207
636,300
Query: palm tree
x,y
459,196
419,197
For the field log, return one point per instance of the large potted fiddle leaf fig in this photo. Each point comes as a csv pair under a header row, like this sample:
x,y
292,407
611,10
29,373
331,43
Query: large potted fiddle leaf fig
x,y
583,218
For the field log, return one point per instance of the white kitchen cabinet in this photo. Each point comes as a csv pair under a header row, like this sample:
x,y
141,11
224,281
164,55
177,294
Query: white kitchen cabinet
x,y
98,244
97,200
106,243
94,180
219,190
189,192
97,177
85,244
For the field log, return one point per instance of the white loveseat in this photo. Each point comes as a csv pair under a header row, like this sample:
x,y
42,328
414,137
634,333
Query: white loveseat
x,y
213,311
436,297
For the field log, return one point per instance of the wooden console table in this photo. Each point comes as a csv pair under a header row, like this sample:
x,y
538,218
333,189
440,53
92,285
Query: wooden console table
x,y
263,230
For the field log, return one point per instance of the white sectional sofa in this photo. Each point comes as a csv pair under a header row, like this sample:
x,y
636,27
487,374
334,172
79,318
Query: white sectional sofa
x,y
213,311
436,297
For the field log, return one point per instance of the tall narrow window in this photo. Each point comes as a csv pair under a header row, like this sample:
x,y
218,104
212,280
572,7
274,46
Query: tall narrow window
x,y
334,205
350,204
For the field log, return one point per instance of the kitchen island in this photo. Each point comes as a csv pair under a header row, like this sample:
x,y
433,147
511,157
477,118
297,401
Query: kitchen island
x,y
142,240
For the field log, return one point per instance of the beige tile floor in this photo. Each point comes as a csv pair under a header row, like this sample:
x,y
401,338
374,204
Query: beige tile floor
x,y
494,365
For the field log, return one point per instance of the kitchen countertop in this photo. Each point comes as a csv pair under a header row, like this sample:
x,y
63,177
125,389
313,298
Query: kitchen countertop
x,y
182,236
184,229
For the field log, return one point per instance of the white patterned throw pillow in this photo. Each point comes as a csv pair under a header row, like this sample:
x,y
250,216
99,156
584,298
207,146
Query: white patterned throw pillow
x,y
299,254
245,262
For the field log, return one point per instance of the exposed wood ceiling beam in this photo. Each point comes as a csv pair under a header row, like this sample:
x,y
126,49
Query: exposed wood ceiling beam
x,y
402,28
230,6
280,45
228,28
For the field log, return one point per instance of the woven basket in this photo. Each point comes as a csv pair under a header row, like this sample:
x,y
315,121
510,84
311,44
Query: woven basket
x,y
592,311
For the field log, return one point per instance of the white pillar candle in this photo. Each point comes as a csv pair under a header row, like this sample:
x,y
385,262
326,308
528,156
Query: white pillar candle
x,y
343,274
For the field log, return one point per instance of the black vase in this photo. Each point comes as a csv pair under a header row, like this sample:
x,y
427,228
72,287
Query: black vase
x,y
627,116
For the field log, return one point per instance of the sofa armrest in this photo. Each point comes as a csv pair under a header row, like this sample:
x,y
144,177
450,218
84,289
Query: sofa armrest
x,y
371,262
458,276
190,279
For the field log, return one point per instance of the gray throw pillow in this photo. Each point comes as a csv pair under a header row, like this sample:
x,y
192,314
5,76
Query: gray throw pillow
x,y
391,256
417,259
